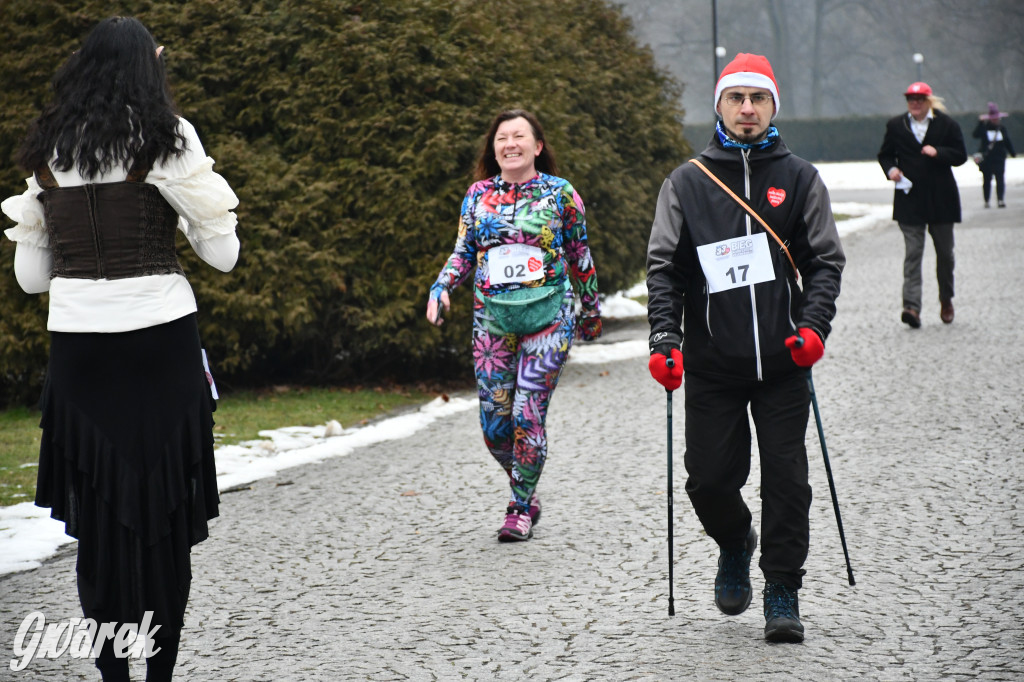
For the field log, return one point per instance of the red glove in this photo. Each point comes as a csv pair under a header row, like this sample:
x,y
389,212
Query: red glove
x,y
807,348
669,377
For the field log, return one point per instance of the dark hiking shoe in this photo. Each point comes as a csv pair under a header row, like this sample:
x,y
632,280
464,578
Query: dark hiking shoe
x,y
517,526
732,584
782,614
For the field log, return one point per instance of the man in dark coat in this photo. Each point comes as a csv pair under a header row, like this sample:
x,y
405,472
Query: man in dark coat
x,y
918,154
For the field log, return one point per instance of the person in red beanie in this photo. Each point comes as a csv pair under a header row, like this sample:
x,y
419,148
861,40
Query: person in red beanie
x,y
725,298
918,153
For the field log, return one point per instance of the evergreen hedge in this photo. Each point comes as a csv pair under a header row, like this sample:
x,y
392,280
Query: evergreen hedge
x,y
349,131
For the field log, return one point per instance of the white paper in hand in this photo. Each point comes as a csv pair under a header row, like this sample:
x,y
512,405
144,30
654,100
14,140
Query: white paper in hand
x,y
209,376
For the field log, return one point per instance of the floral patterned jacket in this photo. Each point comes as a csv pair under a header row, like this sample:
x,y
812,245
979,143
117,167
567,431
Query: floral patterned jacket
x,y
543,212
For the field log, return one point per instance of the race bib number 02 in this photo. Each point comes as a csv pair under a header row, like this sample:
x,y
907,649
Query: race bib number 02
x,y
510,263
736,262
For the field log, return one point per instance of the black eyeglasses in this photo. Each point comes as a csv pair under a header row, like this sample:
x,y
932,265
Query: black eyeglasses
x,y
916,98
735,99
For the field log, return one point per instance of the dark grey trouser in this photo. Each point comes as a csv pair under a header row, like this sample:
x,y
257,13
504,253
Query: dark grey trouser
x,y
913,237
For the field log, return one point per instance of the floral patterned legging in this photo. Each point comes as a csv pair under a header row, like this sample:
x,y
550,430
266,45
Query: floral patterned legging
x,y
515,377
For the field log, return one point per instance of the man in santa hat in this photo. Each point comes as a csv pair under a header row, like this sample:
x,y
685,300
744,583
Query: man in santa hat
x,y
918,153
725,298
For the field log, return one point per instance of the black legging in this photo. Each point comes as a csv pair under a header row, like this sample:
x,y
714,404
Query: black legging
x,y
986,183
159,666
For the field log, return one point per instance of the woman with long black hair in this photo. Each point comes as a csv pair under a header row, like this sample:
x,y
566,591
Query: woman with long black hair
x,y
126,457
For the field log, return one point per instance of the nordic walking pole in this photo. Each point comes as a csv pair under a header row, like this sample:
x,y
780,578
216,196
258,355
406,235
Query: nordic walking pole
x,y
828,467
670,363
828,472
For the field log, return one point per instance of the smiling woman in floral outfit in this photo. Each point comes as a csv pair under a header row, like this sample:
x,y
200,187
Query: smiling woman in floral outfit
x,y
521,227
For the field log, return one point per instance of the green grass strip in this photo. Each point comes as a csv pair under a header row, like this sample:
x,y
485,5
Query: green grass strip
x,y
239,417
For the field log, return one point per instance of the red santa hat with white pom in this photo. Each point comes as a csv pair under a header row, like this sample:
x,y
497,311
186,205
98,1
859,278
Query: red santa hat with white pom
x,y
748,70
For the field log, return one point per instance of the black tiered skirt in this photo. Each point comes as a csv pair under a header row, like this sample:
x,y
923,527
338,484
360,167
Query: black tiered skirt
x,y
126,462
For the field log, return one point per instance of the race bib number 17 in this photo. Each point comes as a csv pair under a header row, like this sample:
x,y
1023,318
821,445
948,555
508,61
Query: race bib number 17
x,y
736,262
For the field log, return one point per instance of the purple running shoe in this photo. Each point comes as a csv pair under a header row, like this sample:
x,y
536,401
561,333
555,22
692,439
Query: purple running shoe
x,y
517,526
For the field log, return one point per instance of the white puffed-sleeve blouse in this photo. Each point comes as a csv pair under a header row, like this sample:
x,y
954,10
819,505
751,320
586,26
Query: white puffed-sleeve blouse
x,y
204,203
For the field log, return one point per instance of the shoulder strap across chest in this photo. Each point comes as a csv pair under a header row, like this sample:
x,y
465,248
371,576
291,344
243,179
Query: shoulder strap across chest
x,y
749,210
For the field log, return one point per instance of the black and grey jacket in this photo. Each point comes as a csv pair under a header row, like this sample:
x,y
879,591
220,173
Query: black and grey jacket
x,y
741,332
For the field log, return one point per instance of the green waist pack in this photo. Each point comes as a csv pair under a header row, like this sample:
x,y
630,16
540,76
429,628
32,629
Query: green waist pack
x,y
526,310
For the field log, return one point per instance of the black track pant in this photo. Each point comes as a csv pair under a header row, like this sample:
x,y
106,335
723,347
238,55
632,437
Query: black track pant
x,y
718,462
159,667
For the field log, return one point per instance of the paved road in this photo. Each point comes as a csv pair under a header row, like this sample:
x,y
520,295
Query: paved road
x,y
383,565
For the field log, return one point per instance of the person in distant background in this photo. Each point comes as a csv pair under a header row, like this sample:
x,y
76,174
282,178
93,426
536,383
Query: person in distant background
x,y
126,454
918,153
991,156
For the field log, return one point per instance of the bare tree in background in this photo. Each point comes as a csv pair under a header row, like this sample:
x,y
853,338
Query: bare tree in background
x,y
845,57
782,49
820,64
989,44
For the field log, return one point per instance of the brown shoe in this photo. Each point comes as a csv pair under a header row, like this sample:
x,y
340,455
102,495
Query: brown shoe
x,y
947,312
911,317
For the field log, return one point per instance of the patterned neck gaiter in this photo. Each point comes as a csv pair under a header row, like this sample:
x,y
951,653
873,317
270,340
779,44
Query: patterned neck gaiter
x,y
729,143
